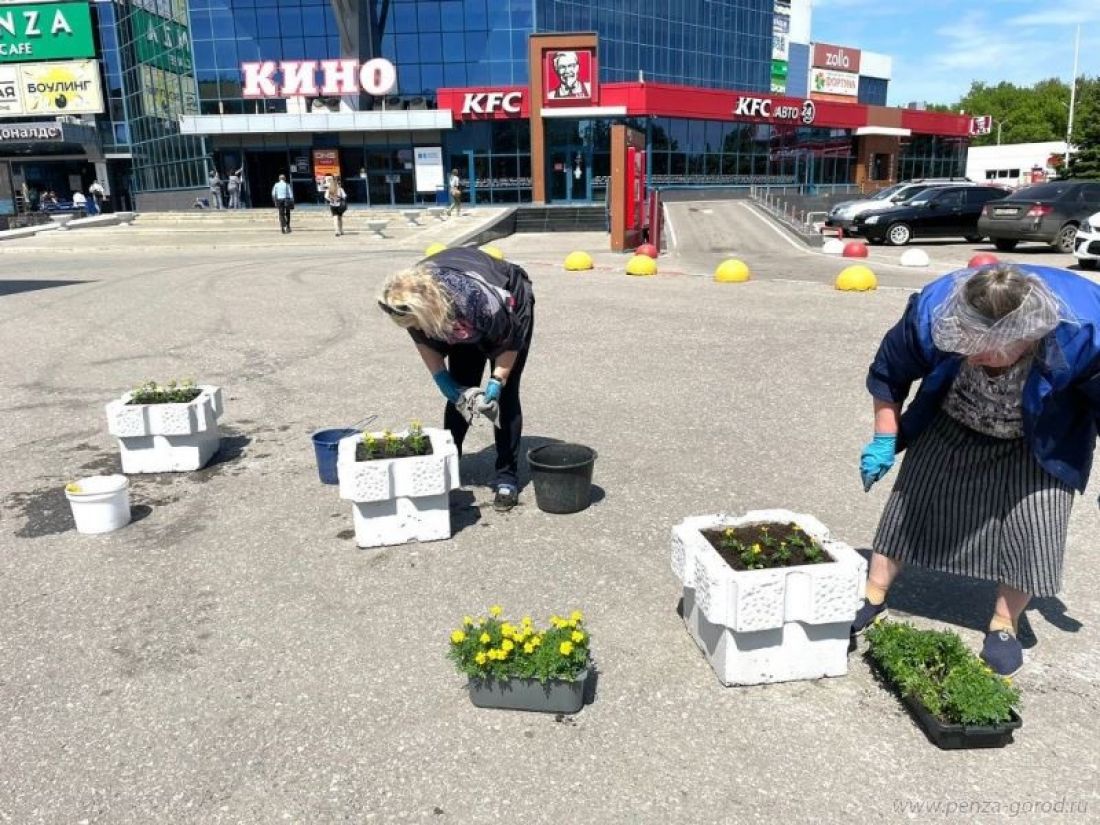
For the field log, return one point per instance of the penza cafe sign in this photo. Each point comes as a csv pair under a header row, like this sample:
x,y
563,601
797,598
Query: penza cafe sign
x,y
330,78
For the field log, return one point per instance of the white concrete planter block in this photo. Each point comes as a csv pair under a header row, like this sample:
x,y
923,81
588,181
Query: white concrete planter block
x,y
398,500
167,438
775,625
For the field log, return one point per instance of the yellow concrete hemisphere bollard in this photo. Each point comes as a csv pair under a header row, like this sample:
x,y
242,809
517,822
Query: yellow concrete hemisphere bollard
x,y
578,261
493,252
641,265
857,278
433,248
731,271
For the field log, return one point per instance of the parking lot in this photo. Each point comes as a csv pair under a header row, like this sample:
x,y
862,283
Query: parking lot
x,y
233,657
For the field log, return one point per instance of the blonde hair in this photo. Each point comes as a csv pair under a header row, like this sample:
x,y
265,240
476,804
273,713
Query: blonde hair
x,y
333,187
414,298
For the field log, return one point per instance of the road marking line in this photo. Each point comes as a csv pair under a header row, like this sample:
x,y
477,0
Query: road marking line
x,y
671,229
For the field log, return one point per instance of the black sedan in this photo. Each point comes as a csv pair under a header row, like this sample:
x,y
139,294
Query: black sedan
x,y
1047,212
943,212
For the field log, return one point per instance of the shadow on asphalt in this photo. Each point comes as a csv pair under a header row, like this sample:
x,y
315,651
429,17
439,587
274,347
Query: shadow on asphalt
x,y
967,602
14,287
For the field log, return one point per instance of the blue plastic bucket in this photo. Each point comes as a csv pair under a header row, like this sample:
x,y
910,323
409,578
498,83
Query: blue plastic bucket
x,y
324,446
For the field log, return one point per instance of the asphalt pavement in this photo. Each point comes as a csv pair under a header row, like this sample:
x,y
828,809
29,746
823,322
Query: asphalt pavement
x,y
233,657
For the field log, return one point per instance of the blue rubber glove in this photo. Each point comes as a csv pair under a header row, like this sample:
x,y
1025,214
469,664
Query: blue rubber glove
x,y
492,389
877,459
447,385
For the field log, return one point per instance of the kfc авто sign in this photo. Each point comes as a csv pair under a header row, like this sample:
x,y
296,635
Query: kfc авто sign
x,y
766,108
837,58
291,78
487,103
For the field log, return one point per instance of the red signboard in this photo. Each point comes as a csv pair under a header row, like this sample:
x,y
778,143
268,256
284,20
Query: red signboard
x,y
837,58
668,100
325,162
570,78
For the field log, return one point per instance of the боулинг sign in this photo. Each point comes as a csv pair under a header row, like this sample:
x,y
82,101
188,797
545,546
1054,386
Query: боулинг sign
x,y
45,31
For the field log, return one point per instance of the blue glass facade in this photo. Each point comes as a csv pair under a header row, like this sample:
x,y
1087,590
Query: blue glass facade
x,y
872,90
725,44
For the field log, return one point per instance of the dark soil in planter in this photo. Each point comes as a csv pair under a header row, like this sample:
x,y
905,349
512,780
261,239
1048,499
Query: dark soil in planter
x,y
166,397
403,451
770,536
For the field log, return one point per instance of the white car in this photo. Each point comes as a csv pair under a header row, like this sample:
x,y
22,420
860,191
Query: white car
x,y
1086,244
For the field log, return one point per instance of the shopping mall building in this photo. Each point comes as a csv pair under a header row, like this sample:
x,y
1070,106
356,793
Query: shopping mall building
x,y
518,95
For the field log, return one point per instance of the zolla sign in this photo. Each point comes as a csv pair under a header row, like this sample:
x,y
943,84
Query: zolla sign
x,y
45,31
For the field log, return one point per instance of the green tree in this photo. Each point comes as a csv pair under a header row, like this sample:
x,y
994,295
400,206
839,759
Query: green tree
x,y
1085,161
1024,114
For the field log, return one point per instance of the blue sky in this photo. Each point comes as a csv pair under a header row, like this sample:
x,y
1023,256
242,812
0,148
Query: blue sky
x,y
940,46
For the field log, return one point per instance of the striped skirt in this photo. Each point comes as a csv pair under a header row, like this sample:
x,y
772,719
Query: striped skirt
x,y
977,506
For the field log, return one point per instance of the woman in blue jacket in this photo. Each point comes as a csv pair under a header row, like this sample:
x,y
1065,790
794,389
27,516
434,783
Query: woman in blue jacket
x,y
999,435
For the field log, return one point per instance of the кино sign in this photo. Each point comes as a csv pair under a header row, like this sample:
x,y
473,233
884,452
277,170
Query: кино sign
x,y
766,108
483,103
838,58
293,78
45,31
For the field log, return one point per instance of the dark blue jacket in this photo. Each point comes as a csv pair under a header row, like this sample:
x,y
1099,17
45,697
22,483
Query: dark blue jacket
x,y
1061,403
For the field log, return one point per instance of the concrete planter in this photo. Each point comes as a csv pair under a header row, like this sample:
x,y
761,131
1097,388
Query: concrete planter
x,y
398,500
167,438
775,625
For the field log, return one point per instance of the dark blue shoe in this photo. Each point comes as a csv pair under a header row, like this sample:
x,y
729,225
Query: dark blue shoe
x,y
506,498
1003,652
867,615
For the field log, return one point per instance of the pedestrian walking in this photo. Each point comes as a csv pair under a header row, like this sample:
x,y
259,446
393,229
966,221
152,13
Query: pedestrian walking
x,y
337,200
215,185
455,186
998,437
283,196
233,187
463,309
98,195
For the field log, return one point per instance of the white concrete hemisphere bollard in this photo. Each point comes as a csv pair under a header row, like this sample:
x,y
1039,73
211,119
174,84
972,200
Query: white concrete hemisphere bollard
x,y
376,227
915,257
62,221
412,216
833,246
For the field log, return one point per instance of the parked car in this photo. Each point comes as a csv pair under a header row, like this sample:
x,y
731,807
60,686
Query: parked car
x,y
843,214
1087,243
1047,212
940,212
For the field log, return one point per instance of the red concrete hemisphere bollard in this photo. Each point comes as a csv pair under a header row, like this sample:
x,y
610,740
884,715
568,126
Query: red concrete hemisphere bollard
x,y
647,249
855,249
983,259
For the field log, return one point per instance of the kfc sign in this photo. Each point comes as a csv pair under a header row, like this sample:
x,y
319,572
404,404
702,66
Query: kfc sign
x,y
487,103
765,108
293,78
837,58
981,125
569,77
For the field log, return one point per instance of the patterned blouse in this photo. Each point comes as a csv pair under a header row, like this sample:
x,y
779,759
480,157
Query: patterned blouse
x,y
990,404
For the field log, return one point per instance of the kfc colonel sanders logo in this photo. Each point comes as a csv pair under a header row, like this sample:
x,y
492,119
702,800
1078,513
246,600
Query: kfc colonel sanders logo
x,y
570,76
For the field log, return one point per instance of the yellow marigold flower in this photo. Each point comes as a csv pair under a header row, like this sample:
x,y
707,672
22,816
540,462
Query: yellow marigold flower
x,y
526,621
577,636
528,648
495,610
485,638
571,623
576,616
457,637
481,658
757,550
507,645
536,641
468,621
565,648
555,619
507,629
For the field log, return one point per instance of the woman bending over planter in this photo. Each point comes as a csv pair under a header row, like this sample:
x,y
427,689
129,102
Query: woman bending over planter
x,y
1000,433
463,309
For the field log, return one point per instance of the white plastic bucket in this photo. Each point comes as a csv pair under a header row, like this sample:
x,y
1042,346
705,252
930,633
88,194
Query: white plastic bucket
x,y
100,503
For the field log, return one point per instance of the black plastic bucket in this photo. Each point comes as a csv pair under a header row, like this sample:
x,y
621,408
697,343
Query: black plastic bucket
x,y
562,477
